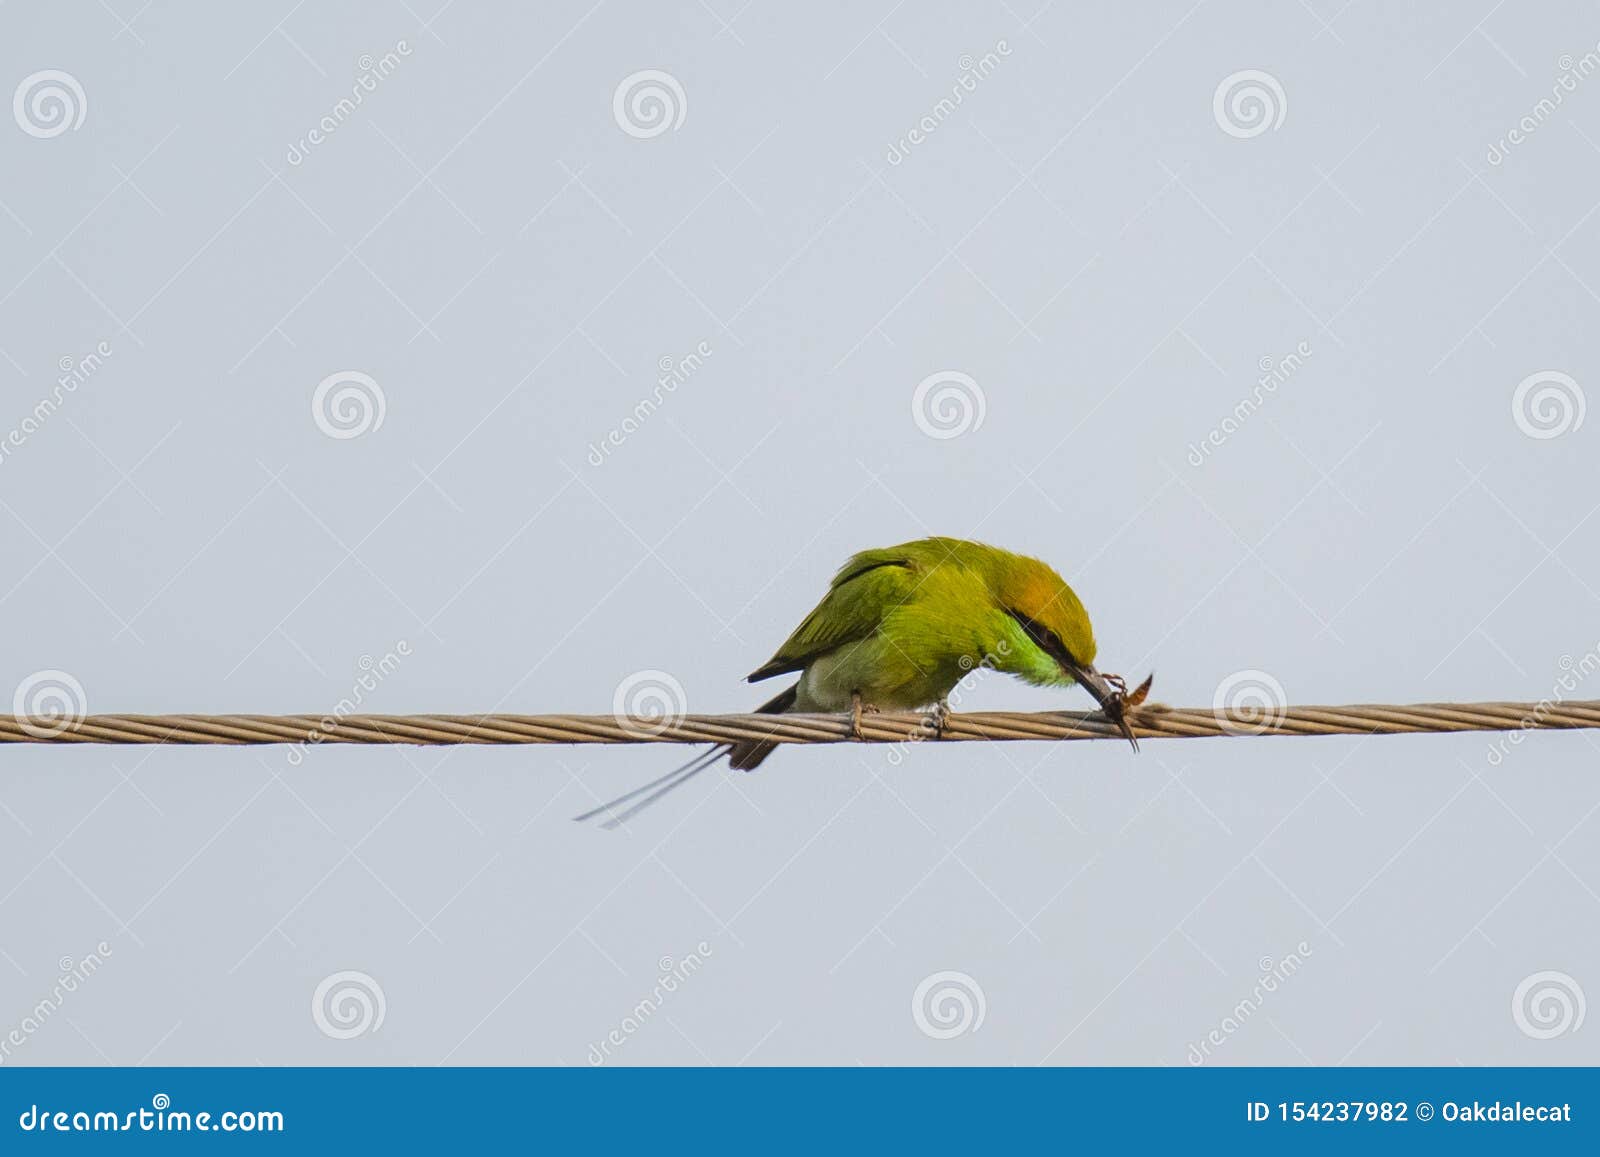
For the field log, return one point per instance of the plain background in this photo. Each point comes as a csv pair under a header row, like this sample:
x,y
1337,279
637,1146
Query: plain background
x,y
1080,236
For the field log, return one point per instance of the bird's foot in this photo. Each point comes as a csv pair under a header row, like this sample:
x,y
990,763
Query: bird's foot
x,y
857,710
934,721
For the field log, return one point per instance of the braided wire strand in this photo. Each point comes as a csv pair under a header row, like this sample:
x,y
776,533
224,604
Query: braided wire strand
x,y
1152,721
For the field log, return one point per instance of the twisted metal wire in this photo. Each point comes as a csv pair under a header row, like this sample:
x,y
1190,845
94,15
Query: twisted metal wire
x,y
1152,721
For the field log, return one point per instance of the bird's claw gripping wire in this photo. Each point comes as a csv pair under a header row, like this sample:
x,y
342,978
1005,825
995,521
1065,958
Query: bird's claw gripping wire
x,y
857,710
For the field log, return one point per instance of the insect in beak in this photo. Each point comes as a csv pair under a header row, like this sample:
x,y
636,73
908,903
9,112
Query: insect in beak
x,y
1111,692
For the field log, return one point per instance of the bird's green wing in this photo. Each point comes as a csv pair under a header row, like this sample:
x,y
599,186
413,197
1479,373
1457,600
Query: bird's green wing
x,y
866,588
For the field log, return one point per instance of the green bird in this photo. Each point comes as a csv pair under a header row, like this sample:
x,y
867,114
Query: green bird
x,y
900,627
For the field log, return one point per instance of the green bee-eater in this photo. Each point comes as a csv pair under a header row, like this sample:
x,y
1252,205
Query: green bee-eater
x,y
900,627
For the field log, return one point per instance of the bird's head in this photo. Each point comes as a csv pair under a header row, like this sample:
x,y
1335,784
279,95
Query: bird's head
x,y
1057,639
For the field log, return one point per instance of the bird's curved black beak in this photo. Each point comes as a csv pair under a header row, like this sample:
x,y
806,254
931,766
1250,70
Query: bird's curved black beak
x,y
1108,691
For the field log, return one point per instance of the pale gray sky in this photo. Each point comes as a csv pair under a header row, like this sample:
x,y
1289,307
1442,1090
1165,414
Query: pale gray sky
x,y
1096,250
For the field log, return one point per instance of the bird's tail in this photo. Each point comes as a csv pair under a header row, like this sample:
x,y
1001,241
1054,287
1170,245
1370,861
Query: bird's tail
x,y
747,756
742,756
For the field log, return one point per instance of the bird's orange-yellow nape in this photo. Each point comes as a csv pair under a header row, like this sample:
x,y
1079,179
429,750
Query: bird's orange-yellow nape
x,y
1053,618
1033,592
